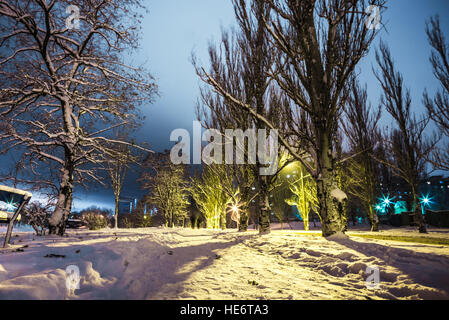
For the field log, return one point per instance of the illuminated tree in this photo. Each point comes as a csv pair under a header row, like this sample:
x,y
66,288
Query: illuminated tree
x,y
210,195
168,187
64,85
278,196
438,107
303,187
406,144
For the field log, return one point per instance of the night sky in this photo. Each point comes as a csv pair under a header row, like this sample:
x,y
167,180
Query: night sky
x,y
174,29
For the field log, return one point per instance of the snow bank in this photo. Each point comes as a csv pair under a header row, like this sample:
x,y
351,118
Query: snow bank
x,y
161,263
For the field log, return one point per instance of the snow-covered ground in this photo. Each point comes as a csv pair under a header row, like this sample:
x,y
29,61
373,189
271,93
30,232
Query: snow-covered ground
x,y
160,263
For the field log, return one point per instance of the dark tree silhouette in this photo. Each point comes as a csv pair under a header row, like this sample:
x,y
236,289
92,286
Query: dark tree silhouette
x,y
438,107
406,144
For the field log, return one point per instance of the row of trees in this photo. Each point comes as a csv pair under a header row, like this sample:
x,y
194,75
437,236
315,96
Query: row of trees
x,y
291,66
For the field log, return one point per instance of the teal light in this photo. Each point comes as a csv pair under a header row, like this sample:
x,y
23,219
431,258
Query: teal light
x,y
385,203
426,201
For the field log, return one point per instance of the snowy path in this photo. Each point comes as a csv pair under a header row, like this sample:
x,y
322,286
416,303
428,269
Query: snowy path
x,y
203,264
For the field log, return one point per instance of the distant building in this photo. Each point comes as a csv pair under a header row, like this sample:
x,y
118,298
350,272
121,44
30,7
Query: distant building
x,y
434,190
126,205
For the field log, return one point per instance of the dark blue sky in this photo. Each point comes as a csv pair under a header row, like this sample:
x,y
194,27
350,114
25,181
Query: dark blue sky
x,y
175,28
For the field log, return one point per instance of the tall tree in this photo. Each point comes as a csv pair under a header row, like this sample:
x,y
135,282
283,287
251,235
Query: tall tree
x,y
168,187
64,85
406,144
239,75
363,135
438,107
117,167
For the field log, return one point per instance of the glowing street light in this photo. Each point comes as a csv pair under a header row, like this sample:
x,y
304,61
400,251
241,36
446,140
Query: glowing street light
x,y
387,201
425,201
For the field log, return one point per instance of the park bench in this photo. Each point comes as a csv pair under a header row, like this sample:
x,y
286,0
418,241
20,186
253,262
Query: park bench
x,y
12,202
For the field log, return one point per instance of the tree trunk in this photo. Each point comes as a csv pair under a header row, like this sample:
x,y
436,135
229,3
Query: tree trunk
x,y
418,216
116,213
63,207
332,211
243,224
306,223
223,220
374,221
264,206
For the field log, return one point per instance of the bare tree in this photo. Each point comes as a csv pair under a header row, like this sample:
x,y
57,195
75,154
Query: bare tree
x,y
239,75
406,144
117,167
438,107
63,86
168,187
363,135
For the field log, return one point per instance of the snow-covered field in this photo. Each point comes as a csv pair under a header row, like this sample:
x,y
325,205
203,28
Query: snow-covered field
x,y
160,263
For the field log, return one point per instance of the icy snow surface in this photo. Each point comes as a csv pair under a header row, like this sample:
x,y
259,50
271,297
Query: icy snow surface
x,y
158,263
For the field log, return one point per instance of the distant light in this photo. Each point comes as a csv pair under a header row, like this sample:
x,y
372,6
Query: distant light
x,y
426,200
386,201
428,182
